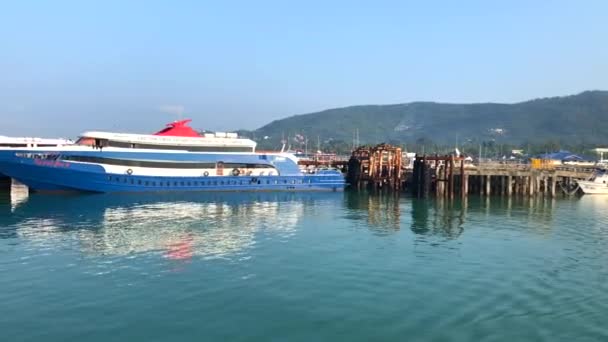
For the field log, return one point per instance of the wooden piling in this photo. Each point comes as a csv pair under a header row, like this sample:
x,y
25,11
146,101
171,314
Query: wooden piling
x,y
488,185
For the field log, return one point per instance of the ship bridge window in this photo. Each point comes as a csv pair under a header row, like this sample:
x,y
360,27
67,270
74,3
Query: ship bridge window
x,y
85,141
93,142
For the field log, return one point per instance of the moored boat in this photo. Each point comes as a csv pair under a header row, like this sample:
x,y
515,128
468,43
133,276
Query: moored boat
x,y
597,184
176,158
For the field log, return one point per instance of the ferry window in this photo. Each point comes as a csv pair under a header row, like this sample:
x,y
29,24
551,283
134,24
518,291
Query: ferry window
x,y
267,182
109,178
174,183
140,163
189,184
132,182
85,141
181,183
139,182
214,182
195,183
276,181
222,183
293,181
119,144
146,183
285,181
153,183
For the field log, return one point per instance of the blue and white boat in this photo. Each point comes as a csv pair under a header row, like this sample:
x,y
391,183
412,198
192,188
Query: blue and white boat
x,y
176,158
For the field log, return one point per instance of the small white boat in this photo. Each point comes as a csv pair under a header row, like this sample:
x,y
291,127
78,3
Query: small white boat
x,y
597,184
11,142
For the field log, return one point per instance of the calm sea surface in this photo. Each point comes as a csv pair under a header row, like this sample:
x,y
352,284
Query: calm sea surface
x,y
301,267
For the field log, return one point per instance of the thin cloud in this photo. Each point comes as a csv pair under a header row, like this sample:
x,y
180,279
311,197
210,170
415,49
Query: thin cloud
x,y
172,109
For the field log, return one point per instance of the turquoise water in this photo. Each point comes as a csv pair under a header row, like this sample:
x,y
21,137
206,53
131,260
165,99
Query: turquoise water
x,y
301,267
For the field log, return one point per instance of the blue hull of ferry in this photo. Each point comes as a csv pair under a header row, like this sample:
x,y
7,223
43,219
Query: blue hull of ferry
x,y
54,176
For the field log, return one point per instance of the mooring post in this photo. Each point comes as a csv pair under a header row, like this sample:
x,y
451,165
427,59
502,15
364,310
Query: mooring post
x,y
424,178
531,180
488,185
451,177
509,185
463,180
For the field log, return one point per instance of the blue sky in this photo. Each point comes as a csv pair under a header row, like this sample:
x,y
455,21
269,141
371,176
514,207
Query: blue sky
x,y
69,66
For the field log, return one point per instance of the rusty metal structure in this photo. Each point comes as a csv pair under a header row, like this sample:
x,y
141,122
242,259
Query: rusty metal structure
x,y
376,167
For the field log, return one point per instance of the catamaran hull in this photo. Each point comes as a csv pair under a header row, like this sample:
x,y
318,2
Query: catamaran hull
x,y
52,177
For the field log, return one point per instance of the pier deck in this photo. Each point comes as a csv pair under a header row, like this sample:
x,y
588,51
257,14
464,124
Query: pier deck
x,y
446,179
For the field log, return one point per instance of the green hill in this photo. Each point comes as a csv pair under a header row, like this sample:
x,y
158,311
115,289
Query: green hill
x,y
577,119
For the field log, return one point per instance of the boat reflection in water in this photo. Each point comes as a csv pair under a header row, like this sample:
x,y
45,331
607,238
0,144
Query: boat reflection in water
x,y
19,193
178,226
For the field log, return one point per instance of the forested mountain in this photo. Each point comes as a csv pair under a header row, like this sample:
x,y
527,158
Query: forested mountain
x,y
576,119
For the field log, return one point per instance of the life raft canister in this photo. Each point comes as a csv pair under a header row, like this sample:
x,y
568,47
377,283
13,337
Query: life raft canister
x,y
129,172
206,173
236,172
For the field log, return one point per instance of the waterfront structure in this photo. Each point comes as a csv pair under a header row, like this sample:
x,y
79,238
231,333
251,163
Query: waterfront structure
x,y
563,157
448,176
174,159
600,153
376,167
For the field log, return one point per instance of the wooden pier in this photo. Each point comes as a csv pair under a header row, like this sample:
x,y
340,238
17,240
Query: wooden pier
x,y
448,176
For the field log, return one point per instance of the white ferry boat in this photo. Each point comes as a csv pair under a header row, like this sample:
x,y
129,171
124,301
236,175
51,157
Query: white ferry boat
x,y
176,158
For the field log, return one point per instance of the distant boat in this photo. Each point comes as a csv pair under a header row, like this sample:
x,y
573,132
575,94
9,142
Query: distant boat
x,y
32,142
176,158
597,184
